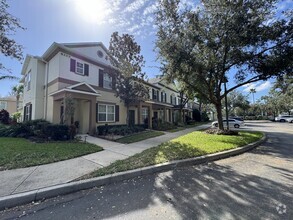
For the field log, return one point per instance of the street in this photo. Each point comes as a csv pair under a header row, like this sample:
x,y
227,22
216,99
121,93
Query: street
x,y
255,185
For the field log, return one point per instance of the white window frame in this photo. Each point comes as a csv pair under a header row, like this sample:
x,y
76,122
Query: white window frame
x,y
79,69
106,112
144,113
107,81
27,113
164,96
3,105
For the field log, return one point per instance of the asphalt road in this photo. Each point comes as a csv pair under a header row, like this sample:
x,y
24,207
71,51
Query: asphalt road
x,y
255,185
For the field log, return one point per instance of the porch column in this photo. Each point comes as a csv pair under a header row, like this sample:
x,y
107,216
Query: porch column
x,y
150,117
92,118
139,113
165,113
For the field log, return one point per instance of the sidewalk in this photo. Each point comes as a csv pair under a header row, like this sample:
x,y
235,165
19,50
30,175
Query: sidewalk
x,y
31,178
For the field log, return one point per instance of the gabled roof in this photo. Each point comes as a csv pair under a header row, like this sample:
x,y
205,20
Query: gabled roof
x,y
79,85
68,48
28,57
162,82
85,44
79,88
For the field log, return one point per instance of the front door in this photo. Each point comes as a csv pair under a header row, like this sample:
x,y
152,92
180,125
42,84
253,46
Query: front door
x,y
131,117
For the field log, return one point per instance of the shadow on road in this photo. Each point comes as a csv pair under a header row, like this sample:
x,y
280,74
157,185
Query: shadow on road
x,y
213,191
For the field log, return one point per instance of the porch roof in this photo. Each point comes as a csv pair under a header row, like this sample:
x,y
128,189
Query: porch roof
x,y
159,103
77,88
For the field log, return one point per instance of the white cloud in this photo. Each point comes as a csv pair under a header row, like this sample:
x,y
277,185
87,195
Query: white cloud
x,y
136,5
259,86
263,86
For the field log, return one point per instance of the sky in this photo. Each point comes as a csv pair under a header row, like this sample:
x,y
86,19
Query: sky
x,y
68,21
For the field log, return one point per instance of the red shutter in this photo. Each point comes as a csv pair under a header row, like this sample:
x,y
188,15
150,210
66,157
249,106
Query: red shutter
x,y
101,78
86,69
72,65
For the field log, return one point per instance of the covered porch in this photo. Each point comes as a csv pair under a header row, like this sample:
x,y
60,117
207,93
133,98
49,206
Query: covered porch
x,y
76,105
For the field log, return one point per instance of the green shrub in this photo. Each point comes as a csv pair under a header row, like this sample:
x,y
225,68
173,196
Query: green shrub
x,y
4,116
196,115
204,116
163,125
57,131
119,129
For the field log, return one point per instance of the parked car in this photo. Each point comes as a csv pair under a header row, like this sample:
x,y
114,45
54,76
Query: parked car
x,y
237,118
282,118
290,120
232,123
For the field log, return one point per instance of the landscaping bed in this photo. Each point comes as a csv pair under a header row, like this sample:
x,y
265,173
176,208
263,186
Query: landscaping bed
x,y
187,146
20,152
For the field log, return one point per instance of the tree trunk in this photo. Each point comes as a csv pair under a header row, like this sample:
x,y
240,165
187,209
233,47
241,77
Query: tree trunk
x,y
219,116
127,115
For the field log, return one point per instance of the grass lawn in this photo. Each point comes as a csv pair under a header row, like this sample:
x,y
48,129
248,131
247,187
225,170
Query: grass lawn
x,y
187,146
187,126
139,137
19,152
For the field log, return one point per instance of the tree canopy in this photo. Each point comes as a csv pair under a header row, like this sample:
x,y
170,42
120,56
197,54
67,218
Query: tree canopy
x,y
239,41
8,46
129,77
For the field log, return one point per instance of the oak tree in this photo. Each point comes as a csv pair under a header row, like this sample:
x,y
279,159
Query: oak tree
x,y
241,41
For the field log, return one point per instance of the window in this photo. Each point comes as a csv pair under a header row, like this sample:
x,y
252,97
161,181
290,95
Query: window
x,y
155,94
107,81
163,96
27,112
144,113
106,113
173,99
79,68
3,105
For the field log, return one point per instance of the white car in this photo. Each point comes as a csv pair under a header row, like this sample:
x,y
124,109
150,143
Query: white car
x,y
290,120
232,123
282,118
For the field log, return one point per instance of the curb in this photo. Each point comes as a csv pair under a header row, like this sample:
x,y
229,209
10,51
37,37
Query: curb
x,y
66,188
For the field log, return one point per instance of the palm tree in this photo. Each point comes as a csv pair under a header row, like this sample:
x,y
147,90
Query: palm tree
x,y
8,77
252,91
17,91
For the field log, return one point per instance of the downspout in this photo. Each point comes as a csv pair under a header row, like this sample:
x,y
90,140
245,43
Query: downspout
x,y
46,88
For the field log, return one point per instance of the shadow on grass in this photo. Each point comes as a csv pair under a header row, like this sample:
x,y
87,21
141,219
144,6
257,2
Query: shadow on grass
x,y
163,153
208,191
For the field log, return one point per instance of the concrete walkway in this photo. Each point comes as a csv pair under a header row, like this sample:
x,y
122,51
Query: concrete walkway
x,y
31,178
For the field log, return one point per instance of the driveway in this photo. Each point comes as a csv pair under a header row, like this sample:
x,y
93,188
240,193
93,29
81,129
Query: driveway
x,y
254,185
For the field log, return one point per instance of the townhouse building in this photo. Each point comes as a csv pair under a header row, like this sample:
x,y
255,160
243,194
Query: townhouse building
x,y
83,72
9,104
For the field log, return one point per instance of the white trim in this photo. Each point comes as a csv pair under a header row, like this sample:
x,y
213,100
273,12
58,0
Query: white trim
x,y
159,103
74,91
83,83
114,119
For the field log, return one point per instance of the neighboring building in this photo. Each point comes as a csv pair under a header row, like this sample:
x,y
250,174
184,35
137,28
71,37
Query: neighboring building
x,y
9,104
84,72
